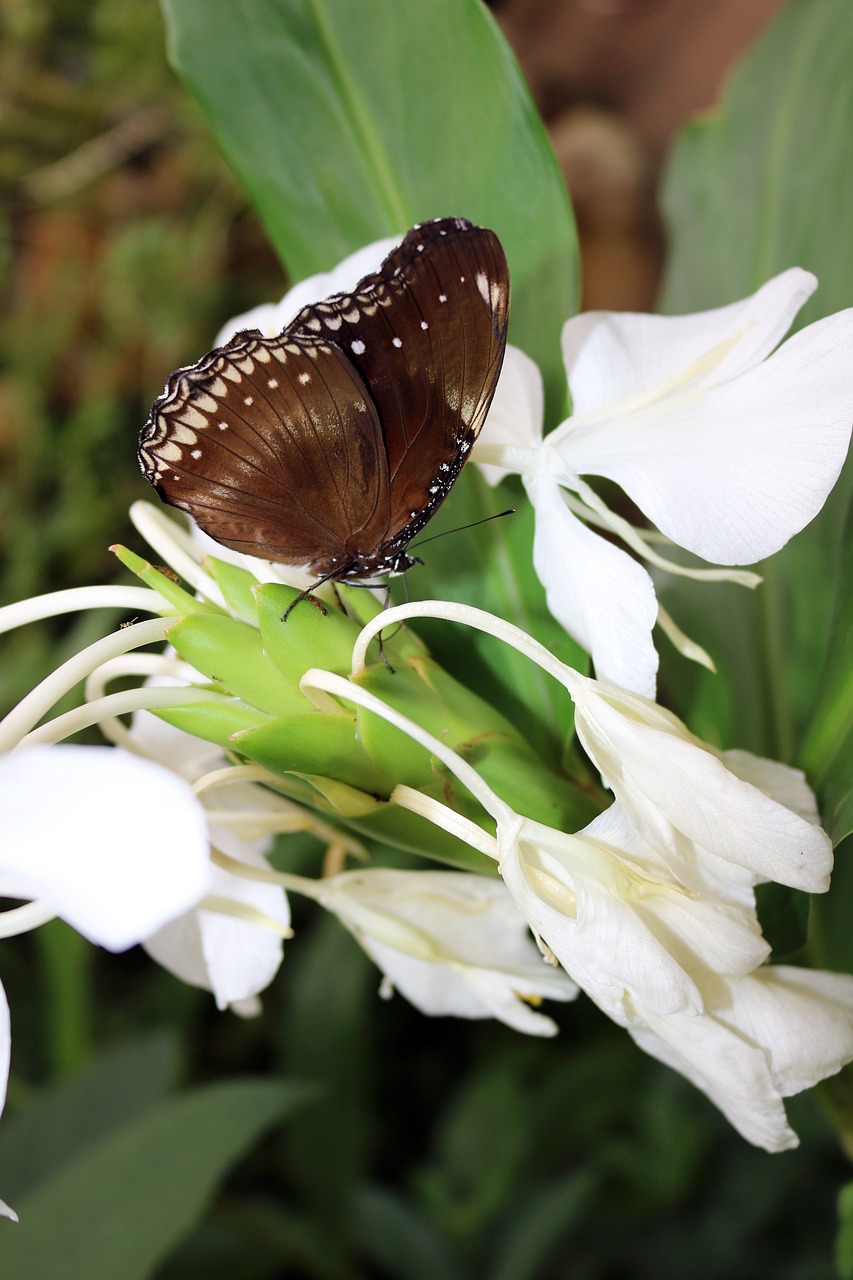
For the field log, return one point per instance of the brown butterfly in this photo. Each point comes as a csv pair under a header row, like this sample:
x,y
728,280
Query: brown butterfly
x,y
334,443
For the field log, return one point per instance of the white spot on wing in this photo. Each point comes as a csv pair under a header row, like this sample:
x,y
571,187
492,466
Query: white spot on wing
x,y
396,342
358,347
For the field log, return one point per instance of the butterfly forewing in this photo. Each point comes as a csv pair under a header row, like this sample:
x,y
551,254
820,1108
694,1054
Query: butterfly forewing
x,y
334,443
428,333
274,447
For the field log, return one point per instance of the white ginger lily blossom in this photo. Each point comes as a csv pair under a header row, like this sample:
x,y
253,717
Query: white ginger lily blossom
x,y
114,845
451,942
728,446
650,909
223,950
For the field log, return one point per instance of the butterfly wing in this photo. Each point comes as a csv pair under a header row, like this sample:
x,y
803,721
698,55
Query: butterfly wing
x,y
427,332
275,448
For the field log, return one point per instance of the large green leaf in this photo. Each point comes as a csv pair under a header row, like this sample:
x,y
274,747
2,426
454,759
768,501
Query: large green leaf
x,y
120,1207
762,184
828,751
74,1114
351,121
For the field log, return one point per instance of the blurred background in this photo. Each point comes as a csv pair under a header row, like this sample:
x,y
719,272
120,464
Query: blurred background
x,y
124,244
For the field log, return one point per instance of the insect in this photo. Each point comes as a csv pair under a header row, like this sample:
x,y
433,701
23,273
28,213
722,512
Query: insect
x,y
332,444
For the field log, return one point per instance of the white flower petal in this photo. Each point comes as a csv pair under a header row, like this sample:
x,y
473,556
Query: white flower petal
x,y
443,990
452,943
271,318
612,356
733,473
766,1036
802,1017
5,1046
663,776
120,848
733,1073
516,413
603,597
779,781
233,958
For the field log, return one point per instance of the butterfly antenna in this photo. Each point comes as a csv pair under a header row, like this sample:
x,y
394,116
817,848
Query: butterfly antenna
x,y
510,511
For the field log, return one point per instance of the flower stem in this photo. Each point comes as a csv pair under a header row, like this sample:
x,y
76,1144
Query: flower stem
x,y
66,961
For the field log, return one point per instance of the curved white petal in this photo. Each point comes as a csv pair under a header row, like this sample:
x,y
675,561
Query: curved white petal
x,y
233,958
516,413
452,943
443,990
115,844
612,356
604,598
664,777
765,1036
779,781
5,1046
802,1017
271,317
732,1072
733,472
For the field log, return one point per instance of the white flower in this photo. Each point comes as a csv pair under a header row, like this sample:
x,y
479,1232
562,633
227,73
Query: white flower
x,y
650,909
762,1037
115,845
222,950
730,450
605,905
451,942
5,1051
272,317
677,788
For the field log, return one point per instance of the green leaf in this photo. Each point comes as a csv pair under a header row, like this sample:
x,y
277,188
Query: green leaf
x,y
844,1240
491,567
174,597
309,637
399,1239
348,122
555,1211
315,744
124,1203
214,723
828,751
760,185
475,730
61,1122
236,586
766,181
231,653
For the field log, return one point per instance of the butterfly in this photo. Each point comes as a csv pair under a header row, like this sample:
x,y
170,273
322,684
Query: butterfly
x,y
332,444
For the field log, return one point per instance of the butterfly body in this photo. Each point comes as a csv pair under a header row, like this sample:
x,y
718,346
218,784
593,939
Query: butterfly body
x,y
333,444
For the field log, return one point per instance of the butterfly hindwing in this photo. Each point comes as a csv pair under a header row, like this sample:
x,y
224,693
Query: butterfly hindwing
x,y
274,447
